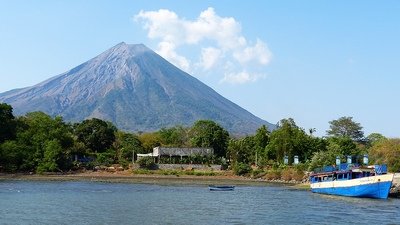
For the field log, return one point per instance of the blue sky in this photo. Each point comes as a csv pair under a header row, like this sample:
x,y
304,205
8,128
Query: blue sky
x,y
313,61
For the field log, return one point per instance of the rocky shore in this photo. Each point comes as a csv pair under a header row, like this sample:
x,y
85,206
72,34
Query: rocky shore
x,y
395,190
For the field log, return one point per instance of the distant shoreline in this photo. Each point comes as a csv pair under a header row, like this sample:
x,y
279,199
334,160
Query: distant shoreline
x,y
124,177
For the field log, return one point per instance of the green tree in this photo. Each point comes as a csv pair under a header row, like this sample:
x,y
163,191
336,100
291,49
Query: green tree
x,y
207,133
126,144
342,146
288,139
321,159
38,132
386,151
261,140
174,137
149,141
97,135
242,150
346,127
7,122
12,156
375,137
51,158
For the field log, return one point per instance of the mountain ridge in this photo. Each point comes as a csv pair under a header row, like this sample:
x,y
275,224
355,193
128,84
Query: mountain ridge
x,y
136,89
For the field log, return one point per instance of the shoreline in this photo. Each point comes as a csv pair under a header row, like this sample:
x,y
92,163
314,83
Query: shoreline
x,y
127,177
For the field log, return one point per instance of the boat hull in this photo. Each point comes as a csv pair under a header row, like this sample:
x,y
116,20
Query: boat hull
x,y
221,188
367,187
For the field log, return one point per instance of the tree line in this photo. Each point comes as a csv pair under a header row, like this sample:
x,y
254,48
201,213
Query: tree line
x,y
37,142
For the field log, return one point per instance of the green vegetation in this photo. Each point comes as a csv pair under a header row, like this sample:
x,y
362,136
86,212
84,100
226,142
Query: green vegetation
x,y
146,163
39,143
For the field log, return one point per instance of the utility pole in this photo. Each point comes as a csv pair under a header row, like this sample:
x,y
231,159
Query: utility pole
x,y
256,157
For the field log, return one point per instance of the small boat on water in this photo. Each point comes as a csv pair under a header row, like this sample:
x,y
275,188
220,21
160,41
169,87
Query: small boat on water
x,y
352,180
221,187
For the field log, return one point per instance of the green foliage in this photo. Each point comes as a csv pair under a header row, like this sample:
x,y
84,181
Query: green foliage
x,y
290,140
146,162
12,156
241,168
386,151
342,146
242,150
374,138
346,127
261,140
207,133
52,156
321,159
37,134
105,158
7,122
126,144
149,141
174,136
336,146
38,142
96,134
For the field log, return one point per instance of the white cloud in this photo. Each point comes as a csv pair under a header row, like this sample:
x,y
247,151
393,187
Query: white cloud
x,y
218,41
241,77
167,50
209,57
258,53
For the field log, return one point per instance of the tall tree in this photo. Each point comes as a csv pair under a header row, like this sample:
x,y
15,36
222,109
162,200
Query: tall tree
x,y
149,141
96,134
346,127
288,139
207,133
7,122
126,144
52,157
375,137
46,142
242,150
175,136
261,140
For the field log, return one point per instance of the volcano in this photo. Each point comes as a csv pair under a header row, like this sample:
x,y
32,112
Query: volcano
x,y
135,89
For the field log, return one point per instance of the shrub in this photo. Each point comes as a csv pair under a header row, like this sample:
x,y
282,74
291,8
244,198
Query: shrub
x,y
146,162
105,158
241,168
287,174
292,174
258,173
273,174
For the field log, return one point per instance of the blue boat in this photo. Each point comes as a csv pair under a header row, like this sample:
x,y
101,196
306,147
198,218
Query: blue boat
x,y
221,187
353,180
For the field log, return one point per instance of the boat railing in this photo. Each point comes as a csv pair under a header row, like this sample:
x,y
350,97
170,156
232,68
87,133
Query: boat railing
x,y
379,169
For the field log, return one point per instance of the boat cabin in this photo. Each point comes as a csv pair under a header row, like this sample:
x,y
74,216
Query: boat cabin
x,y
346,172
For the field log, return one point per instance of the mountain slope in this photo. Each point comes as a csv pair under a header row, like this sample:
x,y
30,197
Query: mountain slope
x,y
134,88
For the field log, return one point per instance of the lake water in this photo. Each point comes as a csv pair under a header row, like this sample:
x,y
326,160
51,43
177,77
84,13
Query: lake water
x,y
77,202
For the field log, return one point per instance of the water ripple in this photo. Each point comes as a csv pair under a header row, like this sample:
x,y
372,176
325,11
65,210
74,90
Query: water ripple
x,y
26,202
